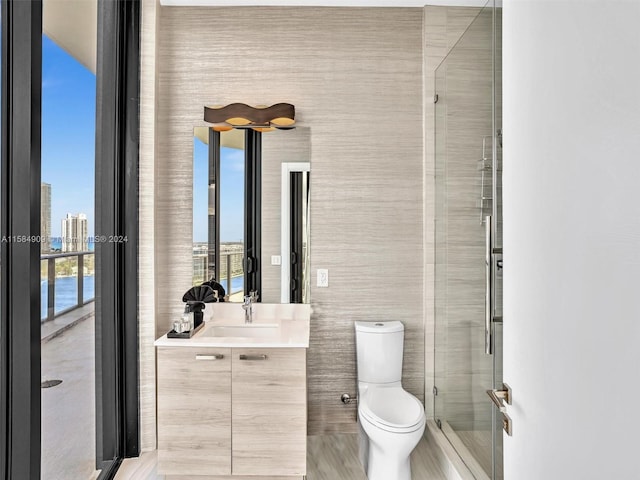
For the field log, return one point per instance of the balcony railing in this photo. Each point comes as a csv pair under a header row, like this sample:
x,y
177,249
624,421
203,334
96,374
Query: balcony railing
x,y
67,282
229,262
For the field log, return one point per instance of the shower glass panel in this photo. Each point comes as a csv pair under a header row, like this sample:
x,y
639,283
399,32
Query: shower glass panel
x,y
441,227
497,213
467,178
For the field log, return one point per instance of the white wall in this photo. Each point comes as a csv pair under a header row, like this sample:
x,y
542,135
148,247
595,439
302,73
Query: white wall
x,y
572,238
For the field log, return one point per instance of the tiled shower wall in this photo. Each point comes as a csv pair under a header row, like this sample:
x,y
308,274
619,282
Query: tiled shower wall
x,y
355,77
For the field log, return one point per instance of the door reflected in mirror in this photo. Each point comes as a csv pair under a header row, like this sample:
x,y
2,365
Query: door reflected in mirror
x,y
295,232
251,212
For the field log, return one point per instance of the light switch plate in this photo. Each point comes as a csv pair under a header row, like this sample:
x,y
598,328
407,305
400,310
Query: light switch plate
x,y
276,260
323,277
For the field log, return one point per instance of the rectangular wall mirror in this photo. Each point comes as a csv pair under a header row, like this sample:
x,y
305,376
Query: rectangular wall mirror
x,y
251,212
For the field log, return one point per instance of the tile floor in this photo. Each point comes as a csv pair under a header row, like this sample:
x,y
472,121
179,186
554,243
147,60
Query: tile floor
x,y
329,457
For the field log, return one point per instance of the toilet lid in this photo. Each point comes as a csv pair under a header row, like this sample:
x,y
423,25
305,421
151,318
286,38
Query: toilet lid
x,y
392,407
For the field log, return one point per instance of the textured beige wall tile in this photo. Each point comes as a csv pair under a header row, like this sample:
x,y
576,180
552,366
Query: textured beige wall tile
x,y
355,77
458,20
146,212
359,86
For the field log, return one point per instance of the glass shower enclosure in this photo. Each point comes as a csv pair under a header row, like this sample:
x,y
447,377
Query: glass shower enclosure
x,y
468,239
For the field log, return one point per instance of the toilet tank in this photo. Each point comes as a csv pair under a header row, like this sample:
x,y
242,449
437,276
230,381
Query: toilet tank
x,y
379,347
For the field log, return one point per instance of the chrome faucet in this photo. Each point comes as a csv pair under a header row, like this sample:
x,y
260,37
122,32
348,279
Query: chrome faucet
x,y
248,306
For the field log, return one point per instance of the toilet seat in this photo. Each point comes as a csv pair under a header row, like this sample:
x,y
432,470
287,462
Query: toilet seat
x,y
392,409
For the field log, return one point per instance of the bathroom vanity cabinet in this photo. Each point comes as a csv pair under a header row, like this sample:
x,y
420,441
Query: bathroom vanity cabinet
x,y
232,411
194,411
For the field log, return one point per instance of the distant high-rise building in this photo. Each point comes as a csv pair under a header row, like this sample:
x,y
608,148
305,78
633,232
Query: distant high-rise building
x,y
45,217
75,233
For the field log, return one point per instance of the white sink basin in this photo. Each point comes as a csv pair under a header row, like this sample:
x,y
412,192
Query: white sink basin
x,y
249,330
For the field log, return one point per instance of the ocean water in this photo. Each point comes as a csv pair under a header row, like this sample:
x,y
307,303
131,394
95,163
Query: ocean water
x,y
237,284
66,293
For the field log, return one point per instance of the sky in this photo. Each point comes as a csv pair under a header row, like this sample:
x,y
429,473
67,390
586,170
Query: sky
x,y
231,193
68,135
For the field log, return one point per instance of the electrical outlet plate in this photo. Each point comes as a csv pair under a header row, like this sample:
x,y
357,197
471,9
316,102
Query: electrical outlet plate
x,y
323,277
276,260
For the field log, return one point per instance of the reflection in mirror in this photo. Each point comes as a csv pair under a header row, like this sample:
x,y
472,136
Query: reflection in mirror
x,y
218,180
284,152
295,233
281,223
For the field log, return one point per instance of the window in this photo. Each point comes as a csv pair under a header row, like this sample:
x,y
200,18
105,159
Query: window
x,y
67,260
21,193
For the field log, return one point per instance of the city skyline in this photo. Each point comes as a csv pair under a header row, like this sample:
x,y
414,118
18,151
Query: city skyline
x,y
75,236
64,242
51,243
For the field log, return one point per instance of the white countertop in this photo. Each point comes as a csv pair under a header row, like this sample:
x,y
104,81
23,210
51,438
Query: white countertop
x,y
289,321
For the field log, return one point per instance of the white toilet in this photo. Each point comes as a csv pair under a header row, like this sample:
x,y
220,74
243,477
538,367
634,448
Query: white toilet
x,y
391,420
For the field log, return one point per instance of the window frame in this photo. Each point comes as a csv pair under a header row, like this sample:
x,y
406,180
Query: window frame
x,y
117,137
20,217
117,157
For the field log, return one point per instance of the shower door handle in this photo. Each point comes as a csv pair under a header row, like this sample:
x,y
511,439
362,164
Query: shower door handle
x,y
488,299
490,285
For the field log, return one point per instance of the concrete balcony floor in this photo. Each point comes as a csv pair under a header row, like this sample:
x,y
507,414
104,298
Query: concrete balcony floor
x,y
68,409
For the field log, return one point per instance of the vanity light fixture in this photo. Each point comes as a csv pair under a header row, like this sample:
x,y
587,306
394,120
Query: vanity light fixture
x,y
241,115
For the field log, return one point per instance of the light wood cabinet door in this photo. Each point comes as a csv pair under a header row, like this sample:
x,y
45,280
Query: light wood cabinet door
x,y
269,411
194,411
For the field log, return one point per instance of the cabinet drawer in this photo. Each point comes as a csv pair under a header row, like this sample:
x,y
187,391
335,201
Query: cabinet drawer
x,y
269,411
194,411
